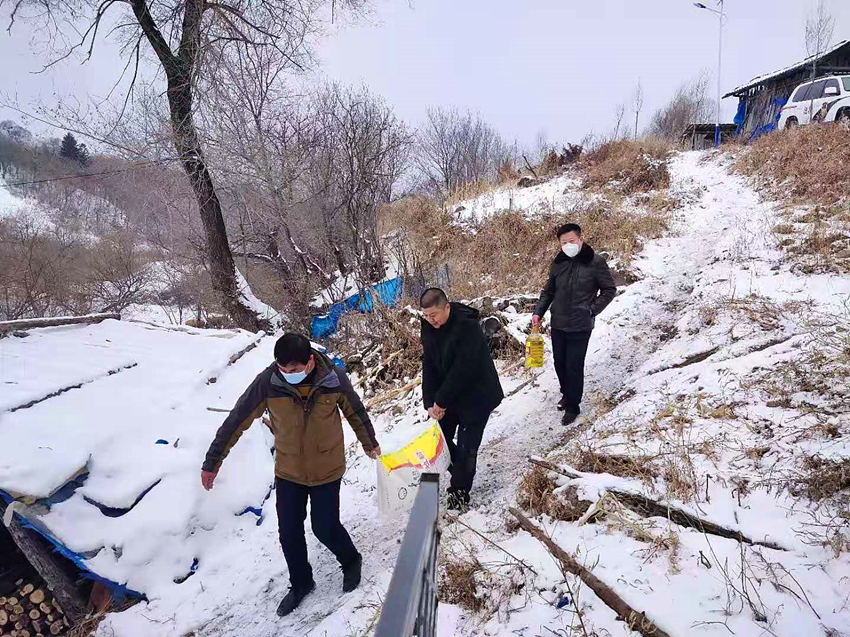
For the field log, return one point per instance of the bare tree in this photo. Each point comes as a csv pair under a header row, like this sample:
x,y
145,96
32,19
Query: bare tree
x,y
691,103
458,148
363,150
186,36
637,104
619,114
820,26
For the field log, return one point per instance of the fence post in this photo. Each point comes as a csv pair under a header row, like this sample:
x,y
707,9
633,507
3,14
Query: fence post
x,y
410,606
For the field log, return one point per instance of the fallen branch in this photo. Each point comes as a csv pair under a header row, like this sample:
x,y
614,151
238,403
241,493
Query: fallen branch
x,y
219,410
637,621
378,369
522,386
491,542
28,324
528,164
651,508
553,467
381,399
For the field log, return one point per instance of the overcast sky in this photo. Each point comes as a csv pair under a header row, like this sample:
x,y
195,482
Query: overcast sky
x,y
556,66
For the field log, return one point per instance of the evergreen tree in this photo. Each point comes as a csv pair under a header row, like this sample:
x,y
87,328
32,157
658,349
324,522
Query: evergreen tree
x,y
70,150
83,155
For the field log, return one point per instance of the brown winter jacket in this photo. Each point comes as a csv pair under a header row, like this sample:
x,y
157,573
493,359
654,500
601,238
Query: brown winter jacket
x,y
308,436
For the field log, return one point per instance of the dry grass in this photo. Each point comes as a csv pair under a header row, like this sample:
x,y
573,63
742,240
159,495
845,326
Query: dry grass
x,y
807,162
631,167
535,495
510,251
458,583
823,478
641,467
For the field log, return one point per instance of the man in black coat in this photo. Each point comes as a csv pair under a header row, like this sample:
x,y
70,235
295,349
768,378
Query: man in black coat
x,y
460,385
579,287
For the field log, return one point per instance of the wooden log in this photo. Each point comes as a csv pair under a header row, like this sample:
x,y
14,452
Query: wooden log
x,y
4,618
637,621
37,597
49,567
45,609
26,590
28,324
34,614
392,394
55,628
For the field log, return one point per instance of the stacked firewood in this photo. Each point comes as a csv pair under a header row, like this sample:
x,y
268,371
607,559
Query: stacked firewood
x,y
31,612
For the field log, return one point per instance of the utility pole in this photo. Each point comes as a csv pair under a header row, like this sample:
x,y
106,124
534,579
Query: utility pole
x,y
721,17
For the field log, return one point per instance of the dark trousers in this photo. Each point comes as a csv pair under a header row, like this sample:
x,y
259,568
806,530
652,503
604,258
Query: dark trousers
x,y
569,351
464,452
324,517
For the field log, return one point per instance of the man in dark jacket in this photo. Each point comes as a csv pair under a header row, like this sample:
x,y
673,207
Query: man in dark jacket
x,y
580,286
460,385
304,393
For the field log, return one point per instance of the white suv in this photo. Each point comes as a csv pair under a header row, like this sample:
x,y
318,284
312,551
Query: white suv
x,y
826,99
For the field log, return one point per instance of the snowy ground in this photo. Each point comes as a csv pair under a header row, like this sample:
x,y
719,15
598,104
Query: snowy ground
x,y
699,324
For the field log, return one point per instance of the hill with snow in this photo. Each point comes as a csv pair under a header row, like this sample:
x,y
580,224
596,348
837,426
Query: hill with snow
x,y
716,388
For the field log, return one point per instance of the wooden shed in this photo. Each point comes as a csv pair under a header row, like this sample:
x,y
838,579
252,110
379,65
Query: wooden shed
x,y
701,136
761,99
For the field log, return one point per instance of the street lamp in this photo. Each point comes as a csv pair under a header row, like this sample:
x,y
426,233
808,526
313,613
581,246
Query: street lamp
x,y
721,16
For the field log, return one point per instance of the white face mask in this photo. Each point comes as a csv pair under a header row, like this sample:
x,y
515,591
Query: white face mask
x,y
571,249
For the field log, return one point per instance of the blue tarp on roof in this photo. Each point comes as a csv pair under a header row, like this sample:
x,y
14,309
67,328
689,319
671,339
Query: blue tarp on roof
x,y
119,591
388,292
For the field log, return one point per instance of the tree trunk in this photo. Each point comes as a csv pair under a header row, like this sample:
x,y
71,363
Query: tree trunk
x,y
188,145
179,70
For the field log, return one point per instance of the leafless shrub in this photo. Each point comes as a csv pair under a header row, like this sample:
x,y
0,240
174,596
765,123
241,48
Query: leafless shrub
x,y
690,104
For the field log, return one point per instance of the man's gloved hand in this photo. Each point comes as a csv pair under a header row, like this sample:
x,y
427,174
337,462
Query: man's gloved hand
x,y
375,453
208,478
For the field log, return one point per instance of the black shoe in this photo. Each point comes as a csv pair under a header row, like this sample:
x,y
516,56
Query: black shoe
x,y
351,575
562,404
293,599
569,418
458,501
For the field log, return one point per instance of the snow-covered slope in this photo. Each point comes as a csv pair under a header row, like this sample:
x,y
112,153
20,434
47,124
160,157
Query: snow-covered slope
x,y
674,373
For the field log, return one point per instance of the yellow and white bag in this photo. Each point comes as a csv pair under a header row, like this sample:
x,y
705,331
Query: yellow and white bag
x,y
399,471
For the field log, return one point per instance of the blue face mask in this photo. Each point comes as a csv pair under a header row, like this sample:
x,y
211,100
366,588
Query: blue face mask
x,y
295,377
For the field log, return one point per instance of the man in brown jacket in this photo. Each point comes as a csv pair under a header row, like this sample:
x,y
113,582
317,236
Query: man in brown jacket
x,y
304,393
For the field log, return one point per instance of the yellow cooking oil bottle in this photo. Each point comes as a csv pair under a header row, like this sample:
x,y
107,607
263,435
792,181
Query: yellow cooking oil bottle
x,y
534,349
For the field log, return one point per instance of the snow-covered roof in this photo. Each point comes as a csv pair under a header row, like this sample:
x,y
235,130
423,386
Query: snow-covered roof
x,y
761,79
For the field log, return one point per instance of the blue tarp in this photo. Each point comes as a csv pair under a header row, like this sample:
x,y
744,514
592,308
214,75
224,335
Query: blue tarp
x,y
740,116
119,591
388,292
767,128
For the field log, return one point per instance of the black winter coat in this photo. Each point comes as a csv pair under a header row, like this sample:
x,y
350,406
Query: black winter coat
x,y
458,372
577,290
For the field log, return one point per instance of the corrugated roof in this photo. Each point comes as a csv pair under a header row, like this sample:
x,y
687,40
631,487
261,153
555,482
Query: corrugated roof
x,y
761,79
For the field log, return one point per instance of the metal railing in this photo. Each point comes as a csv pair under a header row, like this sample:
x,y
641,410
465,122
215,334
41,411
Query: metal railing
x,y
410,607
